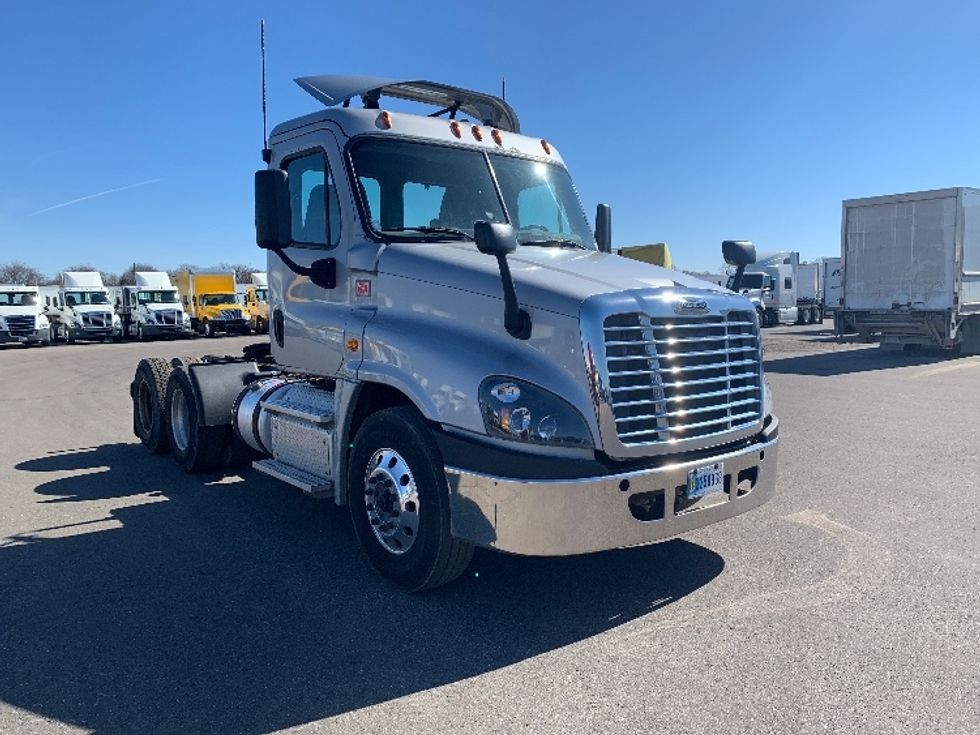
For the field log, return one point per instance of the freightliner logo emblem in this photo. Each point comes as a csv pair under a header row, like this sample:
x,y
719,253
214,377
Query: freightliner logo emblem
x,y
690,306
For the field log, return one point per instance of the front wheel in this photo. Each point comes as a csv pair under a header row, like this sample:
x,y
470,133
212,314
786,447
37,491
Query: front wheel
x,y
399,502
71,335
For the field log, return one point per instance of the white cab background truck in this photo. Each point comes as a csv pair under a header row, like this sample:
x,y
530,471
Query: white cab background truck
x,y
82,309
22,316
455,357
152,308
782,290
912,269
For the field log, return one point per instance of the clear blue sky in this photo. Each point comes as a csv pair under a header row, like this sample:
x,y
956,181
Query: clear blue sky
x,y
696,121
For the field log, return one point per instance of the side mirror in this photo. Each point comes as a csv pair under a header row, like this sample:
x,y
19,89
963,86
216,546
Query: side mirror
x,y
739,253
273,221
494,238
603,227
500,240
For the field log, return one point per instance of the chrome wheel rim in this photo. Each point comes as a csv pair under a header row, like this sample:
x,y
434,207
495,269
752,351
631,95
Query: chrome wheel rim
x,y
392,501
180,420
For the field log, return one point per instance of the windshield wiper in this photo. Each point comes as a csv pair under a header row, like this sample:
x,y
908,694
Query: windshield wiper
x,y
555,243
433,230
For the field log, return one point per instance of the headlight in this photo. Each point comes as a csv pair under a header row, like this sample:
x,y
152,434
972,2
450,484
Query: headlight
x,y
3,324
42,321
187,318
516,410
115,320
766,399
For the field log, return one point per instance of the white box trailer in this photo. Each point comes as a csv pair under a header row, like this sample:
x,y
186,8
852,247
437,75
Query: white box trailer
x,y
912,268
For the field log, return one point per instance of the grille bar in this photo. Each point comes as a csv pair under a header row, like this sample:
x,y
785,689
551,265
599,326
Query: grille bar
x,y
705,382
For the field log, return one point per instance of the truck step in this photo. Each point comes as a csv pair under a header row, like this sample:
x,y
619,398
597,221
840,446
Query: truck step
x,y
312,485
303,402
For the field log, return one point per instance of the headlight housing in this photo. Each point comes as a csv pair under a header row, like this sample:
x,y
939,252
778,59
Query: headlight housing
x,y
3,324
521,411
41,321
187,317
767,406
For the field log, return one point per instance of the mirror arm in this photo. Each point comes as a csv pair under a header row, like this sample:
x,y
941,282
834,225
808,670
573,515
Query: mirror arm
x,y
516,320
290,263
737,283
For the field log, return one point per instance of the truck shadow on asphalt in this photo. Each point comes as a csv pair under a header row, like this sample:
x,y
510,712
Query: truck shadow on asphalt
x,y
846,362
246,607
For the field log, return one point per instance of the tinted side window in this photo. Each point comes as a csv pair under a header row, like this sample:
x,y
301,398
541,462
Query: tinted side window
x,y
787,282
313,200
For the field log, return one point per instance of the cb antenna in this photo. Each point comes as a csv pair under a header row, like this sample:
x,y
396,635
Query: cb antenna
x,y
266,152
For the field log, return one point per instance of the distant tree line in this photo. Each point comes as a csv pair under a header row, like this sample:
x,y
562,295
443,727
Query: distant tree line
x,y
21,273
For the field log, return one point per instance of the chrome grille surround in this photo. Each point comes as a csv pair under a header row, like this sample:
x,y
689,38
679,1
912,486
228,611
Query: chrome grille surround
x,y
232,314
664,380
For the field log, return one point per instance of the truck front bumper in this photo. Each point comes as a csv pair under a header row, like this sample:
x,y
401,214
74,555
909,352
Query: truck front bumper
x,y
562,517
166,330
22,337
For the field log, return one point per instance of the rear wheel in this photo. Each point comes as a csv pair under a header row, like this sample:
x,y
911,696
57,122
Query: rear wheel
x,y
196,448
149,390
209,330
399,502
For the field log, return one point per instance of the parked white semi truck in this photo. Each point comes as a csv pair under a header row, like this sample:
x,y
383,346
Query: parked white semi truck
x,y
457,358
82,308
912,269
782,290
152,308
22,316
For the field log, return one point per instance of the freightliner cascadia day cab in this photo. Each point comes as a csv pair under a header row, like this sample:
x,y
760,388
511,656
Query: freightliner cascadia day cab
x,y
210,301
257,303
152,308
912,269
457,358
22,316
83,309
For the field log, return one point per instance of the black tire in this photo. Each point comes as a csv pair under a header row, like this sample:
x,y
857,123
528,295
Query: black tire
x,y
149,391
209,330
140,336
433,557
761,314
71,335
194,447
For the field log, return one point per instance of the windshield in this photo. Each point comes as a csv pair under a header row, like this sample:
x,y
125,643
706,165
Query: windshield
x,y
219,299
17,298
79,298
749,281
419,190
157,297
262,294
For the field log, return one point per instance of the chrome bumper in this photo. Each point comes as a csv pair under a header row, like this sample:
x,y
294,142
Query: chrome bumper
x,y
561,517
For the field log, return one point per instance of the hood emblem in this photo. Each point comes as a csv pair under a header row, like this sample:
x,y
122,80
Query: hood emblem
x,y
690,306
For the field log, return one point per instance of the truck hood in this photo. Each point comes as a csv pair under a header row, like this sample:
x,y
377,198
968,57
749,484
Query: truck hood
x,y
20,310
556,279
153,308
91,308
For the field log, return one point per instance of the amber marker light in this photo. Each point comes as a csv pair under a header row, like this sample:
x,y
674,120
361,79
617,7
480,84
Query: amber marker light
x,y
353,345
384,119
477,133
546,146
497,138
456,129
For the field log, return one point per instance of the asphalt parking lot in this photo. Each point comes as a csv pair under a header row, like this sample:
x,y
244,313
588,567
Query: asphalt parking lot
x,y
136,599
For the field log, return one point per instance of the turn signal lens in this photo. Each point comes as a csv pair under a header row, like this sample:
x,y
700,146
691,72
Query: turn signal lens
x,y
546,146
495,134
456,129
384,119
477,133
353,345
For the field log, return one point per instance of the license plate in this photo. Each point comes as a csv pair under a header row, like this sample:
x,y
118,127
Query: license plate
x,y
705,480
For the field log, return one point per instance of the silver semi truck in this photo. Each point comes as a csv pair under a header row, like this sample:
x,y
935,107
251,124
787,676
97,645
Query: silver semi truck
x,y
911,269
455,356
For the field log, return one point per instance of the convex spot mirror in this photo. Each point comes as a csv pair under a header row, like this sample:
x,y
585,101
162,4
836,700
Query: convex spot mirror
x,y
738,252
494,238
272,212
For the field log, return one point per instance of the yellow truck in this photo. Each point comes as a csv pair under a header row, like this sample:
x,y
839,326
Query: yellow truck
x,y
257,303
209,298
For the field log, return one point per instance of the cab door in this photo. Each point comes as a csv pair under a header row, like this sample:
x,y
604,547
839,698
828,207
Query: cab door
x,y
309,323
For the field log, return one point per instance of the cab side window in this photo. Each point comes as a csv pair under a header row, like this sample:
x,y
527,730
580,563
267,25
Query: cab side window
x,y
313,200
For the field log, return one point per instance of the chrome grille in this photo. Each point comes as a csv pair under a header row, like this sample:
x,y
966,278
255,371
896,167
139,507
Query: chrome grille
x,y
96,319
20,325
682,377
232,314
166,317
